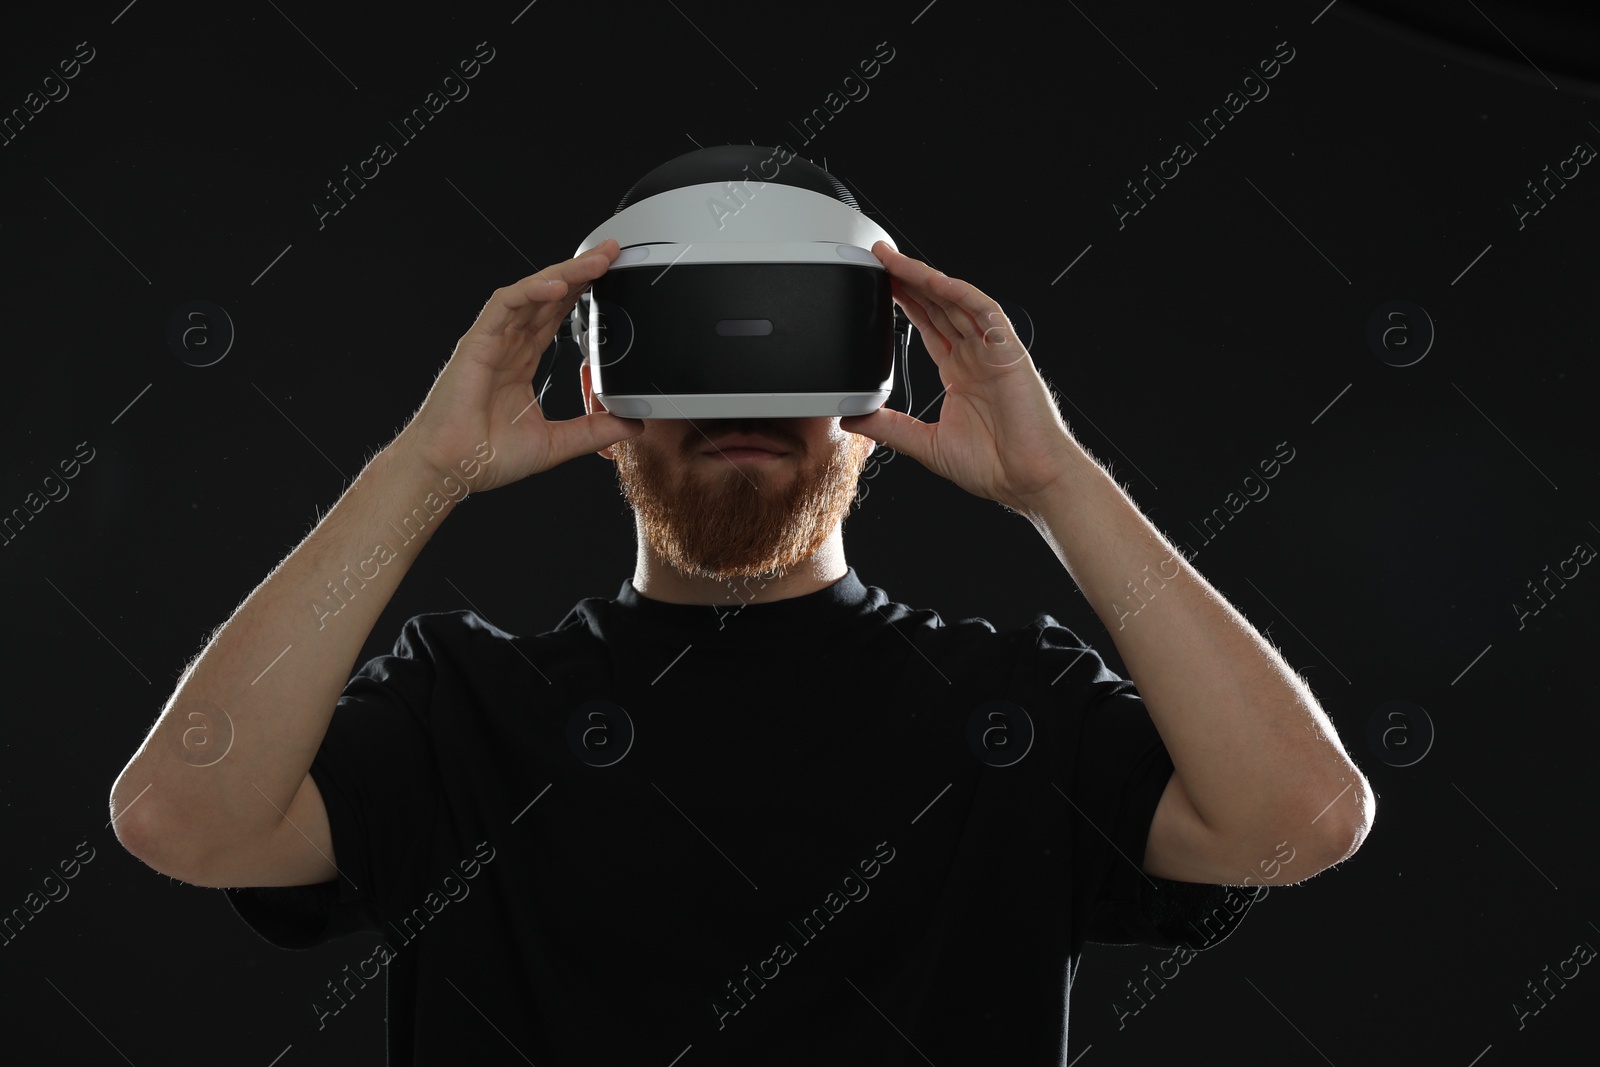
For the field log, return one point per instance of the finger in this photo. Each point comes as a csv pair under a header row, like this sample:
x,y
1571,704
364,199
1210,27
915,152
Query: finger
x,y
610,253
913,272
901,432
911,275
549,314
918,314
946,331
547,317
948,317
910,304
550,292
969,306
578,436
576,272
944,295
964,304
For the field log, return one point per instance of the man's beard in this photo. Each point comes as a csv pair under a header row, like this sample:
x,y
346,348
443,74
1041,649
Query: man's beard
x,y
726,520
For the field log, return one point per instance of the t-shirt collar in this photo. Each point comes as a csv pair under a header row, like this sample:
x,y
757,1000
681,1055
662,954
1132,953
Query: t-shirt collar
x,y
798,616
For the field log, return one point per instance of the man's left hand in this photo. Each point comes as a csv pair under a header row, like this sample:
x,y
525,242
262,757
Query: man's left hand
x,y
999,434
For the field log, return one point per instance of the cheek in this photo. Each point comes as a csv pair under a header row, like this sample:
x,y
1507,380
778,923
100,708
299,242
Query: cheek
x,y
843,441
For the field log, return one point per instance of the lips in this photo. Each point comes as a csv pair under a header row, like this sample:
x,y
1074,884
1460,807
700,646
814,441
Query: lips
x,y
731,441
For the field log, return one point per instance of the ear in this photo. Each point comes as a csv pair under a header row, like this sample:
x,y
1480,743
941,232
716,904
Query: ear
x,y
590,404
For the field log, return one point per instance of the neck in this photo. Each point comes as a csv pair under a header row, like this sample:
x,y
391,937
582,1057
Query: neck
x,y
653,577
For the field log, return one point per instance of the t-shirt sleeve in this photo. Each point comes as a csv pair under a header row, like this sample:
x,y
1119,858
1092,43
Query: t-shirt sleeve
x,y
1113,769
380,785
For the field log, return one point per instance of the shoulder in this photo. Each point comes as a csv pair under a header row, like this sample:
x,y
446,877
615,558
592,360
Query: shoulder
x,y
1041,649
444,633
450,649
1066,657
1048,656
962,644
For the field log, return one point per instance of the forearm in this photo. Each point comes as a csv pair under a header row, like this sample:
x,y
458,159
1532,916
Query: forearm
x,y
238,734
1251,746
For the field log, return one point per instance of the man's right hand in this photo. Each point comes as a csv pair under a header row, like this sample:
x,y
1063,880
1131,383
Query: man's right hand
x,y
483,402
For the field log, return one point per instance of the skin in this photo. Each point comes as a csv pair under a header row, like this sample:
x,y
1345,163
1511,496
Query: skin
x,y
714,530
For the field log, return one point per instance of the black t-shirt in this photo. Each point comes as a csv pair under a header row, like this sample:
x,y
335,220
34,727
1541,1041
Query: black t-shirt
x,y
829,829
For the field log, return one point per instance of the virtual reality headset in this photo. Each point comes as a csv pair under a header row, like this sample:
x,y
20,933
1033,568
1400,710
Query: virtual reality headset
x,y
746,288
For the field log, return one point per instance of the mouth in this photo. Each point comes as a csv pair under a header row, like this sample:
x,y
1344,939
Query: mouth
x,y
744,448
744,455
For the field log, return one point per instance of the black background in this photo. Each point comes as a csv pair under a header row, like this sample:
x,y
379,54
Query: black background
x,y
1229,315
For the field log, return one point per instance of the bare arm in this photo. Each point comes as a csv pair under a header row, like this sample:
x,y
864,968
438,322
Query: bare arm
x,y
1257,763
262,692
218,794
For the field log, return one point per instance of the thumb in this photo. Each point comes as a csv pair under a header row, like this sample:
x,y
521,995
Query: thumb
x,y
591,433
895,429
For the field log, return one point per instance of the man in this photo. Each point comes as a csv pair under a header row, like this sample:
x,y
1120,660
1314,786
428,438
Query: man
x,y
809,825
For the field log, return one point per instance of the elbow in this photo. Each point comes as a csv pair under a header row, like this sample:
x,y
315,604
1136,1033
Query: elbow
x,y
163,852
120,805
1345,825
1356,829
135,834
164,849
129,807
